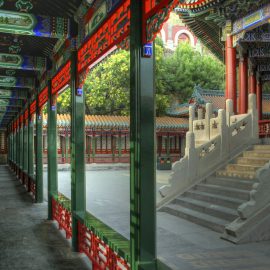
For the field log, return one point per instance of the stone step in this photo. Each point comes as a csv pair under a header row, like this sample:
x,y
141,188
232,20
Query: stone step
x,y
244,168
230,182
213,223
236,174
265,147
200,142
253,154
214,198
207,208
252,161
224,191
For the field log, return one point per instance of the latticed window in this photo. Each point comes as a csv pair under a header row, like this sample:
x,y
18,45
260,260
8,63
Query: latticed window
x,y
98,143
104,141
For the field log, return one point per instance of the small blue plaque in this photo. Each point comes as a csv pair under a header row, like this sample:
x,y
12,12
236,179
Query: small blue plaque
x,y
79,92
53,107
148,50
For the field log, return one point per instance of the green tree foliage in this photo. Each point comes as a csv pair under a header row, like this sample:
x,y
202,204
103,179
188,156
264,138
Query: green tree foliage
x,y
107,85
64,102
186,68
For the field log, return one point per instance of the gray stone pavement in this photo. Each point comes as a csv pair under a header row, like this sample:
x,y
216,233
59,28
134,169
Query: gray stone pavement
x,y
181,245
27,240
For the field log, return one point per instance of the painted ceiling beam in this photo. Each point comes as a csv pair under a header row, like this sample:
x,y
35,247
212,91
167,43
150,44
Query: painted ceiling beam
x,y
16,82
15,61
20,23
255,36
10,111
260,52
10,105
251,21
12,94
265,77
263,67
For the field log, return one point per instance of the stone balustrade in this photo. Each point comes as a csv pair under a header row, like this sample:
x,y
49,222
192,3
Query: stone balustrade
x,y
210,143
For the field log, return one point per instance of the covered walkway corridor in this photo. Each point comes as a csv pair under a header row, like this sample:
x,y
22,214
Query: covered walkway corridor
x,y
27,239
49,46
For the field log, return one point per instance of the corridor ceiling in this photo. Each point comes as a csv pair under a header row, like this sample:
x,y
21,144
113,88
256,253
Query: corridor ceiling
x,y
26,45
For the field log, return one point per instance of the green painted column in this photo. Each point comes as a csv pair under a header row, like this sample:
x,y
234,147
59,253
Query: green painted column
x,y
18,147
143,154
66,147
25,143
52,151
30,147
39,156
14,147
78,193
21,147
8,145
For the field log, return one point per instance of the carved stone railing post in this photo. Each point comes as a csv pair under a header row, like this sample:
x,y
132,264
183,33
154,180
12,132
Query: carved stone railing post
x,y
191,154
191,117
200,114
208,115
223,131
229,111
252,109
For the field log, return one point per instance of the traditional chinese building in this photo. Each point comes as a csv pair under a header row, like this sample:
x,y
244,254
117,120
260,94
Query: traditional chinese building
x,y
200,97
108,139
173,33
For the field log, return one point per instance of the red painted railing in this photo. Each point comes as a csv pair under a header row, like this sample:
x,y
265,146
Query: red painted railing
x,y
63,216
100,254
264,128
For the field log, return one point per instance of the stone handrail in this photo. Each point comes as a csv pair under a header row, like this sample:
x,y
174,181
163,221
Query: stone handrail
x,y
259,195
209,147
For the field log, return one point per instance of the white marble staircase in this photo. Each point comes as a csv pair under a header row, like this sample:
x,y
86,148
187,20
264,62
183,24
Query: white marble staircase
x,y
214,202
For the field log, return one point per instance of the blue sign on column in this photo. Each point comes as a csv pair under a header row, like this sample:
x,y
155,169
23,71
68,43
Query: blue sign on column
x,y
148,50
79,92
